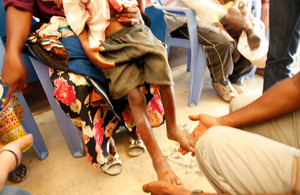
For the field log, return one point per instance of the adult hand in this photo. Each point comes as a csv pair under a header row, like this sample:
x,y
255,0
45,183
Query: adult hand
x,y
13,75
93,55
164,188
130,15
205,122
234,20
193,142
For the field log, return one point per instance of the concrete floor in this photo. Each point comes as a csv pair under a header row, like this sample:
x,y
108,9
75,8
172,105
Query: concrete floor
x,y
60,173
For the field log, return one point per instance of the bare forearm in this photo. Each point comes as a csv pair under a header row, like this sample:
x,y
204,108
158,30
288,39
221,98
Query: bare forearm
x,y
142,5
18,25
281,99
7,164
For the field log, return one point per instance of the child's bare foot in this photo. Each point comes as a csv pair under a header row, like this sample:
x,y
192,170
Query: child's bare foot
x,y
165,173
183,138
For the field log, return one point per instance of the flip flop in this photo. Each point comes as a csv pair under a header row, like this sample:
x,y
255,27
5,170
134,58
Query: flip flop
x,y
136,147
19,174
113,165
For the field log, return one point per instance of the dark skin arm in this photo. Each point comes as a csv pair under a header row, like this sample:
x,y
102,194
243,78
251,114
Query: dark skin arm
x,y
165,188
131,15
283,98
128,16
18,25
92,53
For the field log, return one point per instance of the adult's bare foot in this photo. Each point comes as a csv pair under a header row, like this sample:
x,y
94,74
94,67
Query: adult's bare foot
x,y
185,139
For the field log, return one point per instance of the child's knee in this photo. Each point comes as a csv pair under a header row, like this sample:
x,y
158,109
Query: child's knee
x,y
135,97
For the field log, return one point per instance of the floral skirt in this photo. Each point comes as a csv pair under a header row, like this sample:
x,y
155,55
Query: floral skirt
x,y
96,120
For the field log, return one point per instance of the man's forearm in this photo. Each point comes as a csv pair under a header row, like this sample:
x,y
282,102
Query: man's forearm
x,y
281,99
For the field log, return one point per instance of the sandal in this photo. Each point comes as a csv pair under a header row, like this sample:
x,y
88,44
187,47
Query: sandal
x,y
113,165
19,174
136,147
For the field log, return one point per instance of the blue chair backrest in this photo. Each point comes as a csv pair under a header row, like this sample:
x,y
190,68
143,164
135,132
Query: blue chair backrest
x,y
158,25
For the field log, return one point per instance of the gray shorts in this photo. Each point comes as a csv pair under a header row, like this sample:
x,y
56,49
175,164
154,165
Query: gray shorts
x,y
139,57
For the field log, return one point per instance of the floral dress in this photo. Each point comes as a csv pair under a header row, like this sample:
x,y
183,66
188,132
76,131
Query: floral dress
x,y
77,82
96,120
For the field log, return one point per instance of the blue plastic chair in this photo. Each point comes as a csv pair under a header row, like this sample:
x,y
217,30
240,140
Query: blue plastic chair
x,y
28,121
196,62
69,130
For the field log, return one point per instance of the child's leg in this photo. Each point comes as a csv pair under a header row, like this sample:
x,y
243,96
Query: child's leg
x,y
137,104
173,131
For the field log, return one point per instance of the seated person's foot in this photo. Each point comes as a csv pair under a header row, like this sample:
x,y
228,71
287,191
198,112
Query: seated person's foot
x,y
226,92
136,145
113,165
253,39
19,174
183,138
240,88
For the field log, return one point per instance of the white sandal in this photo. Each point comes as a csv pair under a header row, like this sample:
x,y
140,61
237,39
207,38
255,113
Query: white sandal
x,y
136,147
113,165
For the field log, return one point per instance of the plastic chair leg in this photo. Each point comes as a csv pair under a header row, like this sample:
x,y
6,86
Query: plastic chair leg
x,y
197,78
30,126
70,132
28,120
189,60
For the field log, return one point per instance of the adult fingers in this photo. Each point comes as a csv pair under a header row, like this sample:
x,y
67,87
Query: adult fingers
x,y
128,21
194,117
147,187
182,150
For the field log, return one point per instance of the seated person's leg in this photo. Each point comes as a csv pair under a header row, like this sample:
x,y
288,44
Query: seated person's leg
x,y
221,54
241,68
87,115
238,162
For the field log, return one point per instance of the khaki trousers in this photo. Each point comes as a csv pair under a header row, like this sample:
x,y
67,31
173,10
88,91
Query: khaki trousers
x,y
257,159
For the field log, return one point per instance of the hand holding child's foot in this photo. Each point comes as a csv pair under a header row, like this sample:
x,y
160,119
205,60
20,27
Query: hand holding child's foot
x,y
186,141
192,141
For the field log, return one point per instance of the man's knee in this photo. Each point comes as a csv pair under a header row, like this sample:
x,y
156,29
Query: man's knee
x,y
212,139
241,101
225,45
